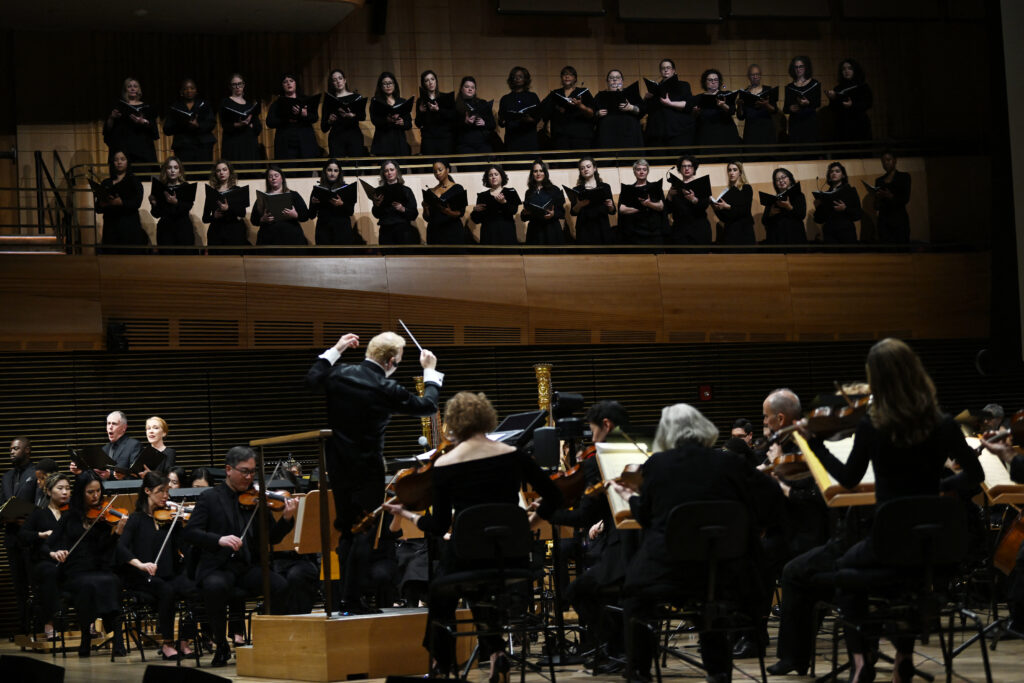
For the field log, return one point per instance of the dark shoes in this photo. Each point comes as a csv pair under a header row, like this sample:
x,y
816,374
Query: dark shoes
x,y
222,656
357,607
746,647
785,666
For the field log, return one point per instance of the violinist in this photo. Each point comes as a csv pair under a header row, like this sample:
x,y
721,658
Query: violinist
x,y
19,482
85,554
227,546
476,471
146,557
34,534
360,401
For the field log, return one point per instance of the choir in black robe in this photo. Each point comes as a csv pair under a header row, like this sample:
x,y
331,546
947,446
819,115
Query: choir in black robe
x,y
520,129
571,128
838,227
174,225
737,221
803,124
617,128
395,226
334,223
241,143
497,221
191,143
134,139
893,220
786,226
851,123
667,126
345,137
282,231
592,224
540,230
389,139
445,229
648,226
437,128
294,138
121,224
470,139
759,127
690,221
228,230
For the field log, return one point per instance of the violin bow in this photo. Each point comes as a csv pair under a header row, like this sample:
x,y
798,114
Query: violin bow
x,y
163,545
89,528
842,392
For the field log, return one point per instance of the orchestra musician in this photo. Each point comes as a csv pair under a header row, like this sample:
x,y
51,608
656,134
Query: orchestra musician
x,y
227,551
33,535
1013,458
361,399
19,482
476,471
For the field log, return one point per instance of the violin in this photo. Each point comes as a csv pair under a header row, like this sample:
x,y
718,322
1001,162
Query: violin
x,y
275,499
166,514
570,483
632,477
110,515
790,466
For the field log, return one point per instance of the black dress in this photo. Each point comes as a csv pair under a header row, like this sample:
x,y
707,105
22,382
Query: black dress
x,y
837,227
520,132
121,224
141,540
437,128
87,573
334,223
716,127
388,139
570,127
134,139
174,227
737,221
240,143
281,232
540,230
617,128
472,139
445,229
396,226
690,223
851,123
787,226
228,230
497,221
345,137
44,569
759,127
592,224
667,126
191,143
803,124
294,138
893,220
648,226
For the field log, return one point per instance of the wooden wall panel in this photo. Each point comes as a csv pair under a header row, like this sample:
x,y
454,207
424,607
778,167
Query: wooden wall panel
x,y
953,295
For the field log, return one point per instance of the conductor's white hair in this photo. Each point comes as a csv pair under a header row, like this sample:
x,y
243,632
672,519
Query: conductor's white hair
x,y
681,423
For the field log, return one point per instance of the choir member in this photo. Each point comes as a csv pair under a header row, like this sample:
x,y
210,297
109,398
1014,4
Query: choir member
x,y
518,112
120,447
803,97
389,129
474,120
131,126
227,225
34,535
669,122
641,208
570,113
592,225
172,207
21,483
839,209
435,117
156,431
292,115
618,119
190,120
476,471
395,209
733,207
715,126
756,106
849,102
689,207
543,207
891,200
240,123
495,209
341,116
333,218
119,205
444,222
283,229
784,219
86,572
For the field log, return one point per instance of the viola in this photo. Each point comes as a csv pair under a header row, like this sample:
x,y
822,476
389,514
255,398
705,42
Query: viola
x,y
275,499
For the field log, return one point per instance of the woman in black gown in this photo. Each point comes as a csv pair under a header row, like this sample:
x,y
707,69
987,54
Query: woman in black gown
x,y
838,212
345,137
570,113
715,125
733,207
907,440
190,120
227,225
849,102
543,207
174,225
34,535
389,130
396,215
156,432
292,115
759,118
474,120
891,202
240,123
520,126
334,219
121,224
283,230
784,220
476,471
435,117
592,224
495,209
131,126
803,97
618,124
86,572
669,121
641,209
689,207
444,224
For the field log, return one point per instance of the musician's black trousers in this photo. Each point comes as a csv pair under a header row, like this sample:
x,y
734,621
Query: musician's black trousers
x,y
218,586
17,562
357,482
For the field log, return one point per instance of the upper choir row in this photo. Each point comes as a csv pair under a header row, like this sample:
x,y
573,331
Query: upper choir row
x,y
464,123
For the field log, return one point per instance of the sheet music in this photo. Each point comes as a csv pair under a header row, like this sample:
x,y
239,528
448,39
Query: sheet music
x,y
834,494
998,485
612,458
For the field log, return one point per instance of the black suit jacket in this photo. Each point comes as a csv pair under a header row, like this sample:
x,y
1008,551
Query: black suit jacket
x,y
123,451
217,514
18,484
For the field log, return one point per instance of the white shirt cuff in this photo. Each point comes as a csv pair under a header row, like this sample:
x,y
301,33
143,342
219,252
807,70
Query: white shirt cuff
x,y
331,355
432,375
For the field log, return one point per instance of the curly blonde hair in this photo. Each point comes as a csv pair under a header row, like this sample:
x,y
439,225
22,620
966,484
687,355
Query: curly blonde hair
x,y
467,414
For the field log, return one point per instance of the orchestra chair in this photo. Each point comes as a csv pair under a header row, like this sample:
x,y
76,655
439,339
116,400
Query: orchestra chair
x,y
138,618
923,542
492,534
706,534
192,611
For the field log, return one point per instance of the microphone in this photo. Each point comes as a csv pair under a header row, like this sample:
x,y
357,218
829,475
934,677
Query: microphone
x,y
422,441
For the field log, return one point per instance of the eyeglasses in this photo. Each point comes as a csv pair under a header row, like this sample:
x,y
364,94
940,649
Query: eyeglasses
x,y
245,471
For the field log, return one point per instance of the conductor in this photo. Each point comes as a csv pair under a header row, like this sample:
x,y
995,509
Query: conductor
x,y
360,402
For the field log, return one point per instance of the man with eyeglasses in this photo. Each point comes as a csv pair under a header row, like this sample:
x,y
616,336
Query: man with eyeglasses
x,y
228,553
